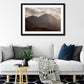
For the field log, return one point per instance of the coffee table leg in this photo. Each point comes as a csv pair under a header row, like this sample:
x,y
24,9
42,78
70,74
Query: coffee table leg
x,y
26,76
16,76
20,76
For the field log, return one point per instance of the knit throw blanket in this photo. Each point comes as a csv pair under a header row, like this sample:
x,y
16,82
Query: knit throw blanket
x,y
48,71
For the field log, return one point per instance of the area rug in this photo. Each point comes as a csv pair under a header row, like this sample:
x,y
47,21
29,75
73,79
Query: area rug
x,y
35,80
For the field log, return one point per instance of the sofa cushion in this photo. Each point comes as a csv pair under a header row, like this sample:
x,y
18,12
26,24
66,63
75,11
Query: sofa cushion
x,y
7,53
17,51
0,56
57,46
7,66
76,53
66,52
43,50
82,57
69,65
62,64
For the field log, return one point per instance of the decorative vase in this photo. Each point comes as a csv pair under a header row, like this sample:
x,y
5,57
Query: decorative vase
x,y
25,62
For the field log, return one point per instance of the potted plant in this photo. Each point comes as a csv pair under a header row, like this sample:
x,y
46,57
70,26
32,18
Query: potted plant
x,y
26,54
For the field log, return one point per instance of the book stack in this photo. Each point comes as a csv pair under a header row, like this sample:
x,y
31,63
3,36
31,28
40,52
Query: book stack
x,y
17,65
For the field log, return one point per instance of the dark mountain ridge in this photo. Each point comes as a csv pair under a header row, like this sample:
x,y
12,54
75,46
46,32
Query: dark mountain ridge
x,y
33,27
46,20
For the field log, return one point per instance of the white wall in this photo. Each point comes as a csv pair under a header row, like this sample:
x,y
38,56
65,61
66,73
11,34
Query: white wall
x,y
10,26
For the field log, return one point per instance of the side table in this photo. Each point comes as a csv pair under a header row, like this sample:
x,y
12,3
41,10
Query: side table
x,y
21,68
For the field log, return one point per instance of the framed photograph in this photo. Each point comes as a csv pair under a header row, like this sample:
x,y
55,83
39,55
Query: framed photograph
x,y
42,19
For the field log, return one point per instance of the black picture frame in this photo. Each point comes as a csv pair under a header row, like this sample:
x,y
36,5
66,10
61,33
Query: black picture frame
x,y
31,34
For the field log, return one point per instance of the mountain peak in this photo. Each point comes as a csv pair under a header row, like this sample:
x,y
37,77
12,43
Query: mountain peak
x,y
33,16
46,15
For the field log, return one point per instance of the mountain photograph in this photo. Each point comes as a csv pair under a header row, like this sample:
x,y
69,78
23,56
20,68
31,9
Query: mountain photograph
x,y
42,19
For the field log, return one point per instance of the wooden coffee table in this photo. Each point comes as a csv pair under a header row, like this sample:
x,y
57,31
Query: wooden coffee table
x,y
21,73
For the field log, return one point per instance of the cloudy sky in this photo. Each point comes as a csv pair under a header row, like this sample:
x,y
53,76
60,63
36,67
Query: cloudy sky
x,y
40,11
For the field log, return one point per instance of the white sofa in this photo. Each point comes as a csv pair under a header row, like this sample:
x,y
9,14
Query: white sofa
x,y
48,50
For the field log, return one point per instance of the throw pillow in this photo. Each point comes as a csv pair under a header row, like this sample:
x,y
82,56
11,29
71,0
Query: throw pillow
x,y
7,53
66,52
76,53
17,51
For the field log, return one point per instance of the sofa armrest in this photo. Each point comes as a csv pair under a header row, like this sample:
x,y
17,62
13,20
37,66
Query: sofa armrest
x,y
0,56
82,57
